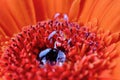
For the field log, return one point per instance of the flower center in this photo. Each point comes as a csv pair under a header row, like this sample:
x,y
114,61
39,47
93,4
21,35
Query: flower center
x,y
78,51
54,41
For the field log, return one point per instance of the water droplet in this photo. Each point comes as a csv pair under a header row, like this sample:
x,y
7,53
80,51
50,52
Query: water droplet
x,y
52,56
65,17
61,16
57,15
52,34
69,41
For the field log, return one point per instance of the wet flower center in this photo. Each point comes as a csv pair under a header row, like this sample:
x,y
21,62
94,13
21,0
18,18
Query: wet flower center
x,y
51,41
73,50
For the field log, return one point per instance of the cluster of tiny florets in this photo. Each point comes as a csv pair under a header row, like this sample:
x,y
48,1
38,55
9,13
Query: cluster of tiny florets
x,y
85,50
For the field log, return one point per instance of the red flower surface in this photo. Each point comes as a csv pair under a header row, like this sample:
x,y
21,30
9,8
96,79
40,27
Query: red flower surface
x,y
67,46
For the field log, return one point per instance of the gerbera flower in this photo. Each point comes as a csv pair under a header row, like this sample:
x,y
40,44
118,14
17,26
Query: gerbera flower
x,y
59,39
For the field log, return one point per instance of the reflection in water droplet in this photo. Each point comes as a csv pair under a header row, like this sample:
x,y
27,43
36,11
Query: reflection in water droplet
x,y
52,57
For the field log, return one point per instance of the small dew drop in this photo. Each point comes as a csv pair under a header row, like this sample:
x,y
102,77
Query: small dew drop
x,y
57,15
65,17
61,16
52,34
69,41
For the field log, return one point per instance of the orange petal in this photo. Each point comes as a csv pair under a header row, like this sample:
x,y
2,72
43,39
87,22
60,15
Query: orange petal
x,y
47,8
87,9
16,14
2,33
63,6
74,10
105,75
50,8
111,17
114,27
116,72
40,9
106,11
99,9
7,23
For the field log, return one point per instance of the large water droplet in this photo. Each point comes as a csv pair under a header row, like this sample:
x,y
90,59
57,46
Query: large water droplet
x,y
52,56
